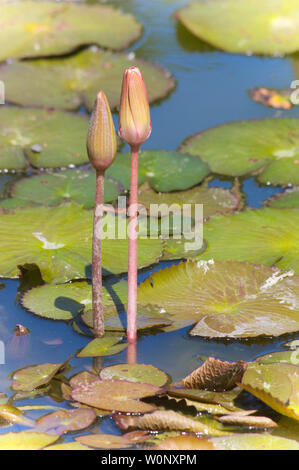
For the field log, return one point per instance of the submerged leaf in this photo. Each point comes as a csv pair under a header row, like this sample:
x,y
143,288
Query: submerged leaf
x,y
216,375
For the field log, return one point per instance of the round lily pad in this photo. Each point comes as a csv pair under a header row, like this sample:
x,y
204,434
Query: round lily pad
x,y
164,170
267,236
62,421
34,29
268,147
70,82
42,138
289,198
269,28
225,299
71,185
116,395
135,373
58,240
214,200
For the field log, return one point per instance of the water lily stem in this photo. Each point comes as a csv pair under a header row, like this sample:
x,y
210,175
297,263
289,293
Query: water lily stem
x,y
97,301
132,264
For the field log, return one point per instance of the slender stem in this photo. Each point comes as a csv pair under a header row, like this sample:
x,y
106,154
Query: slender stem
x,y
97,302
132,264
132,353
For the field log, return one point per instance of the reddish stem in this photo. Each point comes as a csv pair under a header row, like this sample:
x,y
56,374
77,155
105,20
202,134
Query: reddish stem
x,y
97,302
132,264
132,353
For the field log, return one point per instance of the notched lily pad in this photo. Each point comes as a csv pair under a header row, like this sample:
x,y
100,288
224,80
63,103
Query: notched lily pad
x,y
226,299
30,377
40,29
106,346
163,170
52,189
270,28
144,373
42,138
287,199
267,147
62,421
71,82
116,395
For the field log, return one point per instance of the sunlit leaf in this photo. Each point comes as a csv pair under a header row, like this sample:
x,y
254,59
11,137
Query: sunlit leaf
x,y
104,441
26,440
144,373
239,419
62,421
30,377
253,442
289,198
106,346
184,443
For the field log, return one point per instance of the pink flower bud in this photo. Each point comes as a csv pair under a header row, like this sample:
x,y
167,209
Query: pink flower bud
x,y
101,139
134,116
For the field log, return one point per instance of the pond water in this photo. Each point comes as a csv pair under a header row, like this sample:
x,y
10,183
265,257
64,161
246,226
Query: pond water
x,y
212,88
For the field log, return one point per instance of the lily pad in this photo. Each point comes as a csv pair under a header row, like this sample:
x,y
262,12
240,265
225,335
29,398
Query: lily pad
x,y
62,421
184,443
104,441
71,82
40,29
42,138
253,442
135,373
26,440
68,446
164,170
106,346
291,356
214,200
116,395
287,199
276,384
225,299
71,185
58,240
30,377
267,147
267,236
270,28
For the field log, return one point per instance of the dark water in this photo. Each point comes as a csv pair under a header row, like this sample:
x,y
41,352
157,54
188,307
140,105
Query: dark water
x,y
212,88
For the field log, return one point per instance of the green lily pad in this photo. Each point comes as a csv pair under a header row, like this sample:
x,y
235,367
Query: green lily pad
x,y
270,28
71,82
268,147
226,299
267,236
104,441
42,138
214,200
165,171
68,446
135,373
276,384
58,240
26,440
253,442
116,395
291,356
30,377
62,421
15,203
289,198
71,185
40,29
106,346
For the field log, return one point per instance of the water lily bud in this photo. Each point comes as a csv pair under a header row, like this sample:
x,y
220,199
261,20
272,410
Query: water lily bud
x,y
101,139
134,117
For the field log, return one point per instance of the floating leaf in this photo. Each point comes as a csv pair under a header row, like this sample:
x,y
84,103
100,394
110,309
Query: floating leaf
x,y
164,420
68,446
290,357
164,171
226,299
71,185
39,29
216,375
116,395
71,82
275,384
135,373
62,421
253,442
225,399
278,99
30,377
42,138
184,443
11,415
106,346
58,240
272,238
270,27
26,440
289,198
268,147
239,419
104,441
